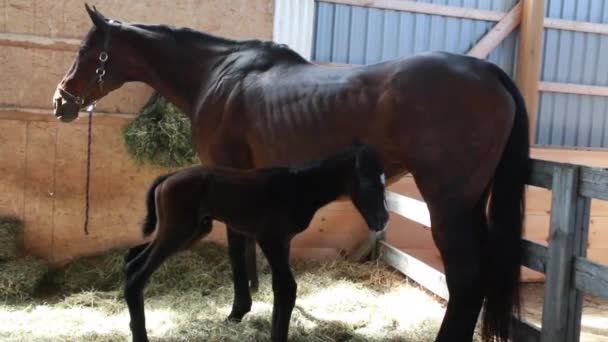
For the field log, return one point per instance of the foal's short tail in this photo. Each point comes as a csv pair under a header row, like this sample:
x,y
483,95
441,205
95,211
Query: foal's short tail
x,y
150,220
506,217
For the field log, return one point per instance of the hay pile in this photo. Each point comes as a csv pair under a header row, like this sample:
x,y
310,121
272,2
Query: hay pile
x,y
20,277
189,297
10,238
160,135
198,269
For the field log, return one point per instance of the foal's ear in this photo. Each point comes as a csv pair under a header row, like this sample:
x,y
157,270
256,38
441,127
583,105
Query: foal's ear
x,y
97,18
357,143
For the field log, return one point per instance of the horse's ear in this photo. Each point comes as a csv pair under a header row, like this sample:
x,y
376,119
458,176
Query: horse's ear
x,y
97,18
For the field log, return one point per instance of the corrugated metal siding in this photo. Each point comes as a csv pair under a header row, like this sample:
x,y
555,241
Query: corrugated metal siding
x,y
574,57
361,35
293,25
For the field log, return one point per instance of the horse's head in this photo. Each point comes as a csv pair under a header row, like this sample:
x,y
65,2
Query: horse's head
x,y
93,73
368,188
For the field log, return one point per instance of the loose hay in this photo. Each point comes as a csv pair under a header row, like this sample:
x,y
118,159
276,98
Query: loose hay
x,y
10,234
20,279
93,273
160,135
189,297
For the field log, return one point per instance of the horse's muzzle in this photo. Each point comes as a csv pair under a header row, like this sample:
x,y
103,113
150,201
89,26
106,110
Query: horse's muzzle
x,y
66,111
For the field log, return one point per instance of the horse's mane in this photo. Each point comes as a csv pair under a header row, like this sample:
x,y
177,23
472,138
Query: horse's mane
x,y
270,47
186,34
191,36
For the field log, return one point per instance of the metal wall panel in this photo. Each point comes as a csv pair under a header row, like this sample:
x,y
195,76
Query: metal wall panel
x,y
361,35
574,57
294,24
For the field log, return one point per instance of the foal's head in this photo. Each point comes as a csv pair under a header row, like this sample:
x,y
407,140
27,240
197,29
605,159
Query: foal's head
x,y
94,72
366,187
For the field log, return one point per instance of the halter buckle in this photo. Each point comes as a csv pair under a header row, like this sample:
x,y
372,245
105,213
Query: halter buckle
x,y
91,107
103,56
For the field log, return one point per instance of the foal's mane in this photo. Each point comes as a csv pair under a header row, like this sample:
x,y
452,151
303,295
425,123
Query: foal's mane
x,y
346,154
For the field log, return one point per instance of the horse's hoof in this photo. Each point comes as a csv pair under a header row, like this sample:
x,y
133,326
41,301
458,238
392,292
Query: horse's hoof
x,y
254,288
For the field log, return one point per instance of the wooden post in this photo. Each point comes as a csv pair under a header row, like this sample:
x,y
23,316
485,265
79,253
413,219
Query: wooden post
x,y
529,57
575,296
559,277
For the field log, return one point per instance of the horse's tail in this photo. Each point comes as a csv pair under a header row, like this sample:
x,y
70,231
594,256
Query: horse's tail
x,y
506,217
149,224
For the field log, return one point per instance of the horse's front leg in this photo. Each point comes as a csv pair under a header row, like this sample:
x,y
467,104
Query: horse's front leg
x,y
251,264
284,287
237,154
242,297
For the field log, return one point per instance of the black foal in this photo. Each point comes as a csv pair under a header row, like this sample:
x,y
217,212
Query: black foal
x,y
272,205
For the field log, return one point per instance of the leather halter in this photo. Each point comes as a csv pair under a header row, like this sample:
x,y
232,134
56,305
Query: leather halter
x,y
100,72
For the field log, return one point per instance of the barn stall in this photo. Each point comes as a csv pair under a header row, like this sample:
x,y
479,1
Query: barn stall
x,y
555,50
43,162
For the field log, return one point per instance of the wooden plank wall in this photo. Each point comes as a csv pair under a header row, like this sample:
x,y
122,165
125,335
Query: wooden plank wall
x,y
31,75
42,162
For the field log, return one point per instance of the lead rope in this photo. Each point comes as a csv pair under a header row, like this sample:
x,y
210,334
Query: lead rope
x,y
100,72
88,172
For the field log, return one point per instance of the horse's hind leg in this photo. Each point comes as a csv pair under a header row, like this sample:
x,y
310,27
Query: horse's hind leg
x,y
459,236
284,287
242,297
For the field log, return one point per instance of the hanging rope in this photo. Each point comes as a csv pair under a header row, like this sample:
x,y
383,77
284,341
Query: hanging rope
x,y
88,172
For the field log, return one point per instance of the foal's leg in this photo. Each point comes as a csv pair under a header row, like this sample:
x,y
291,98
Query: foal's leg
x,y
134,251
459,239
140,268
137,254
284,286
242,296
137,277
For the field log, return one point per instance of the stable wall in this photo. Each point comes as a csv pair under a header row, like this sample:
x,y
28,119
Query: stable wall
x,y
30,74
42,162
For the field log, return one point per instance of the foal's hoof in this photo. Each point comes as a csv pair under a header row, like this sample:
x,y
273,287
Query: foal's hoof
x,y
233,319
140,339
237,314
254,287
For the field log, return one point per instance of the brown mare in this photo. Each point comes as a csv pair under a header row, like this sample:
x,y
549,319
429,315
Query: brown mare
x,y
271,205
457,124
